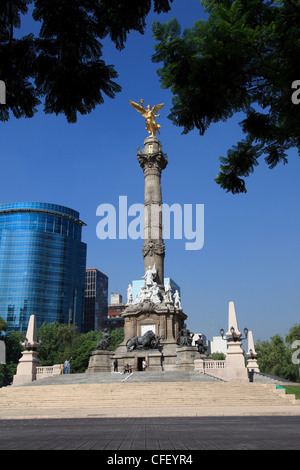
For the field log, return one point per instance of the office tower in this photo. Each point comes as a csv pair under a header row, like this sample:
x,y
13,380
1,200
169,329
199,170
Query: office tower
x,y
42,264
115,310
96,300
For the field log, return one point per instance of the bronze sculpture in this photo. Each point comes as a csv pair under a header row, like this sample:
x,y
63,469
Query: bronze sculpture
x,y
149,114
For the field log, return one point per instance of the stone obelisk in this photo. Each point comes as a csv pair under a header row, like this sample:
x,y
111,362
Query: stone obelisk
x,y
26,370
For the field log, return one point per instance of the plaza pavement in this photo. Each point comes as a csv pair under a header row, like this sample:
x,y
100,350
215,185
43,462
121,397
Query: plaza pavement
x,y
116,437
131,417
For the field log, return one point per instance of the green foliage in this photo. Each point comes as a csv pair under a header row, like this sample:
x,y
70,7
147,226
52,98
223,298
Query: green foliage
x,y
3,326
117,337
218,356
13,346
13,354
81,350
52,347
61,342
7,372
62,65
293,335
294,390
275,357
244,58
57,343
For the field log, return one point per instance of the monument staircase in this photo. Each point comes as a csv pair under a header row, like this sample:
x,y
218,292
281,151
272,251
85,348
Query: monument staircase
x,y
144,394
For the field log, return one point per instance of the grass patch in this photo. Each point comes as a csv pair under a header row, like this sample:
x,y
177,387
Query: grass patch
x,y
294,390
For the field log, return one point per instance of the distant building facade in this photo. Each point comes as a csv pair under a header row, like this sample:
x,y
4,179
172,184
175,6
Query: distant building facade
x,y
42,264
218,344
206,341
95,300
115,310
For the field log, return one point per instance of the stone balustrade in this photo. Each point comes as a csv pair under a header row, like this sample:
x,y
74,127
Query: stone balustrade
x,y
46,371
201,365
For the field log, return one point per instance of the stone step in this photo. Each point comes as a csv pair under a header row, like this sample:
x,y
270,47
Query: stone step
x,y
139,395
262,377
111,377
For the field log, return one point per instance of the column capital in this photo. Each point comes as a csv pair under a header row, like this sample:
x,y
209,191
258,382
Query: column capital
x,y
151,157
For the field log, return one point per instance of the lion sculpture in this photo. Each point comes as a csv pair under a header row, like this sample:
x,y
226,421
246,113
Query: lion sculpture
x,y
147,341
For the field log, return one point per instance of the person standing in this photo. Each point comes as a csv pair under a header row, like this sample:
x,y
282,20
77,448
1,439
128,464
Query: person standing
x,y
66,366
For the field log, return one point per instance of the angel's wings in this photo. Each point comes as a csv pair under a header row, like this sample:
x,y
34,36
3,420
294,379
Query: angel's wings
x,y
157,107
138,107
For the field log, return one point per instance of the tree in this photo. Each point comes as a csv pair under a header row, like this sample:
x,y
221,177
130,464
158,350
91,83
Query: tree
x,y
82,348
13,342
275,358
51,349
117,336
218,356
293,335
3,326
243,58
63,65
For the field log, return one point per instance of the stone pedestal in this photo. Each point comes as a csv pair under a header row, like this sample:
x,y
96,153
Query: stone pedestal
x,y
100,361
163,318
155,360
2,353
26,370
235,370
252,364
186,355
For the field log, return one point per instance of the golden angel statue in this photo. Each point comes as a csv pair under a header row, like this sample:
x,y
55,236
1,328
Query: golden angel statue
x,y
149,114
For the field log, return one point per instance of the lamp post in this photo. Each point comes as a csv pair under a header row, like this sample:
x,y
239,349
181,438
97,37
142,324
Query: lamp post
x,y
234,336
235,369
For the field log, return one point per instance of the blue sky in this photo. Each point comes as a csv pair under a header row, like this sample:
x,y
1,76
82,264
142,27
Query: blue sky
x,y
251,241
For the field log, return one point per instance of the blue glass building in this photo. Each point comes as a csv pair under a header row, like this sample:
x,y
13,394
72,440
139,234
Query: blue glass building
x,y
42,264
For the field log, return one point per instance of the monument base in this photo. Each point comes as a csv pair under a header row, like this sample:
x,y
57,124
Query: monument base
x,y
26,370
169,358
253,365
186,355
100,361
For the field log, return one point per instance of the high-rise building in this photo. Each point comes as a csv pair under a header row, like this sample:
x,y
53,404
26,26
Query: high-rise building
x,y
42,264
96,300
115,310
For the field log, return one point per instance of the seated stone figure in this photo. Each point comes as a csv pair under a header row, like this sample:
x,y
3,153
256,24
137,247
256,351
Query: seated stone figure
x,y
186,337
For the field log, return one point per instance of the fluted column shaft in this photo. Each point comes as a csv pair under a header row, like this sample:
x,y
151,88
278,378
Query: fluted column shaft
x,y
153,161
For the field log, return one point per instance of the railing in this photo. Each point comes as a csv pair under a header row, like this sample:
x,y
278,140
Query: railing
x,y
46,371
214,364
202,365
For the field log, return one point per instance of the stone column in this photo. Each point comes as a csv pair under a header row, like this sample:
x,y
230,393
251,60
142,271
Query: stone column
x,y
153,161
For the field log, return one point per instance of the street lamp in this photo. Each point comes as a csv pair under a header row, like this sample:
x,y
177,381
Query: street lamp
x,y
234,336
